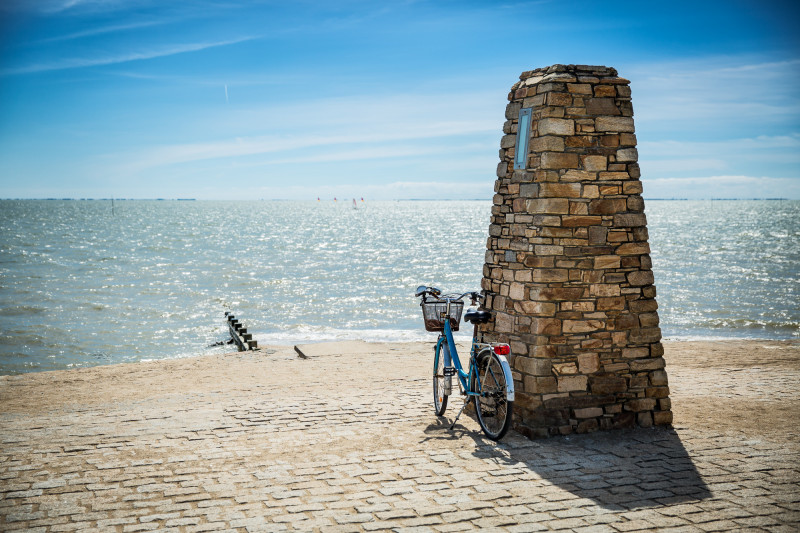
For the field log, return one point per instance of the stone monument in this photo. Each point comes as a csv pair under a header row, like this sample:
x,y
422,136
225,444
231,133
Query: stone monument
x,y
568,271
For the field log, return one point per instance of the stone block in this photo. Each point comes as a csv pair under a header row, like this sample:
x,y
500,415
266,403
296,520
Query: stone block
x,y
512,110
601,106
572,175
601,289
644,419
565,368
602,262
629,220
587,426
645,335
627,155
548,143
542,385
608,384
657,392
549,294
648,320
640,404
516,291
559,99
503,323
633,248
582,326
598,234
545,326
543,249
573,221
607,206
560,190
590,191
559,160
640,365
615,303
662,418
624,420
550,275
605,90
614,124
572,383
632,187
534,366
557,126
502,170
508,141
642,306
658,378
538,308
588,363
548,205
594,163
636,353
579,88
639,278
588,412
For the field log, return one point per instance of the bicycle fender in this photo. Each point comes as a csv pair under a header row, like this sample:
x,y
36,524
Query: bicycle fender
x,y
509,378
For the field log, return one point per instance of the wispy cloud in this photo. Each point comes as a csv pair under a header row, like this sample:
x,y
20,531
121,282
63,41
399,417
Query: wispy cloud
x,y
100,31
354,128
83,62
736,91
667,158
248,146
736,186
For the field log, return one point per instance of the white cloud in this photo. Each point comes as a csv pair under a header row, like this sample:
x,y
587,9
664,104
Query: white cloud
x,y
83,62
734,91
777,155
722,187
100,31
343,129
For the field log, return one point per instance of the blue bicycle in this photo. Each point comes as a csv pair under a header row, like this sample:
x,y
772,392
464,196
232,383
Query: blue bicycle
x,y
488,379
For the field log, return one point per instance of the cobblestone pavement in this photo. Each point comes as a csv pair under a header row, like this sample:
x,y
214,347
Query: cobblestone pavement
x,y
349,443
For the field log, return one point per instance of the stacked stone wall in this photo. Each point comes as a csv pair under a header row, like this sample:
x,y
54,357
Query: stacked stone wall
x,y
568,271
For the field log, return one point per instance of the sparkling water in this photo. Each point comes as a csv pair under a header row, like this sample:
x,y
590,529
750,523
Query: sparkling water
x,y
85,282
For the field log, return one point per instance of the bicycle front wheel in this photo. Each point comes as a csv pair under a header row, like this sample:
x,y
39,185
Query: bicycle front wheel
x,y
492,407
439,396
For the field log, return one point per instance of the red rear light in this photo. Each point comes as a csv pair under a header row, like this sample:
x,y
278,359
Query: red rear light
x,y
502,349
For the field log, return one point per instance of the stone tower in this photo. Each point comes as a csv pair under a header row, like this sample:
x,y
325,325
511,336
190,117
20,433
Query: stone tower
x,y
568,269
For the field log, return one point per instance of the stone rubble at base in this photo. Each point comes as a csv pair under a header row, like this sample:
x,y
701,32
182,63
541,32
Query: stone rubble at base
x,y
568,269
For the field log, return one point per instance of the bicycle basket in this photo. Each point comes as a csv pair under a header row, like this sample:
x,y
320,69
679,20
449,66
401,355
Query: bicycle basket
x,y
433,312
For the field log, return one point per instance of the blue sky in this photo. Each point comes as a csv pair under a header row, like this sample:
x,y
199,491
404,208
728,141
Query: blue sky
x,y
385,100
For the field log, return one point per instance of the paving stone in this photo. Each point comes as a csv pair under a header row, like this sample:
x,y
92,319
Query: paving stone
x,y
366,462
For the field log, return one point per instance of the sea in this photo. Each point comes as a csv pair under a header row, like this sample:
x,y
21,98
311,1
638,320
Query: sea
x,y
92,282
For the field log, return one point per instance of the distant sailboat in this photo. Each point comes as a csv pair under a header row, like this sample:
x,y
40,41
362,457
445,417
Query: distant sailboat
x,y
355,205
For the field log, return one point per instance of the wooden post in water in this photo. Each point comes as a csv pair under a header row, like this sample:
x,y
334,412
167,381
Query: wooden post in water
x,y
243,340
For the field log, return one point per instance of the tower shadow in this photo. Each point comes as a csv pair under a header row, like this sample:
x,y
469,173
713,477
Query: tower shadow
x,y
619,470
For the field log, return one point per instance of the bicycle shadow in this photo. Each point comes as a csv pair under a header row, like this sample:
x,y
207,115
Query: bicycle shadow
x,y
619,470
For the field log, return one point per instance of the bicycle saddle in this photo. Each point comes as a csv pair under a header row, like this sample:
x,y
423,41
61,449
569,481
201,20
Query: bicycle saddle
x,y
477,317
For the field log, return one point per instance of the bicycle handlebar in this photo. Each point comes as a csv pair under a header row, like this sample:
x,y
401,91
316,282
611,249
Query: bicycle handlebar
x,y
423,291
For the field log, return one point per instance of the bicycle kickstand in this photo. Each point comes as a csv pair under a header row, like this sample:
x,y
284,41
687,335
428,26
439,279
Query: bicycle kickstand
x,y
466,403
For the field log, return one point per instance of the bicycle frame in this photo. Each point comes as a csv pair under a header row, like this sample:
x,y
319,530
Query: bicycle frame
x,y
452,357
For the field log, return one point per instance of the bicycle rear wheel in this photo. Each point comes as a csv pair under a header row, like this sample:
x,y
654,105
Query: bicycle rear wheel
x,y
492,407
439,396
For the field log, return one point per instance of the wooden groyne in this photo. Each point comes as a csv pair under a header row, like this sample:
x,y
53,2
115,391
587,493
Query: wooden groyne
x,y
241,338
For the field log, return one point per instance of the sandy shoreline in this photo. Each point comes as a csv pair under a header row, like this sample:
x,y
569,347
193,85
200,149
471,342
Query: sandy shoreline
x,y
346,440
736,385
